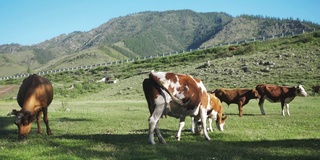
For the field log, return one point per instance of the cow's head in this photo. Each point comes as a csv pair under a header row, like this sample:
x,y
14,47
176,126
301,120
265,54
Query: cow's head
x,y
315,89
255,94
301,91
23,121
221,124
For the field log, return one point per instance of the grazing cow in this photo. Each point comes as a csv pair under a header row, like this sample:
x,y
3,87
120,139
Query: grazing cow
x,y
315,89
176,95
281,94
232,48
238,96
216,116
34,97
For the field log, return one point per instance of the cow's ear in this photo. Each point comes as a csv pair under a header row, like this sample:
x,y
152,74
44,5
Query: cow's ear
x,y
224,117
14,112
27,116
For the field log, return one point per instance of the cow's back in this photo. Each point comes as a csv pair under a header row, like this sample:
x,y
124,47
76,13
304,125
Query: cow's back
x,y
35,84
225,95
215,103
273,92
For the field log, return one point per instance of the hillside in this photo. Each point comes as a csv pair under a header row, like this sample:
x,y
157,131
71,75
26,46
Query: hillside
x,y
284,61
247,27
141,34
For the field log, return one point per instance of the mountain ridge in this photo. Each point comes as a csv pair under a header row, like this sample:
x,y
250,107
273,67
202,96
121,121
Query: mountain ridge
x,y
142,34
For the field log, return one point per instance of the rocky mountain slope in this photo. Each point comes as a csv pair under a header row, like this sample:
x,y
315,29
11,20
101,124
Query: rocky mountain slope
x,y
141,34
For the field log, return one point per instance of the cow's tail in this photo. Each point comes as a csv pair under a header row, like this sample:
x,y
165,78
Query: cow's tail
x,y
157,81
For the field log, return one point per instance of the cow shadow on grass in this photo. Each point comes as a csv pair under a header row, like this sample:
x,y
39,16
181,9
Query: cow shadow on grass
x,y
67,119
136,146
5,123
244,114
9,131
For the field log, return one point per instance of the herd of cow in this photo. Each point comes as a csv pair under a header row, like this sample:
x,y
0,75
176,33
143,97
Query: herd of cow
x,y
167,94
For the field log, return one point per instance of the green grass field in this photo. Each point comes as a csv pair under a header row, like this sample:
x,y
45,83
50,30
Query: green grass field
x,y
110,121
118,130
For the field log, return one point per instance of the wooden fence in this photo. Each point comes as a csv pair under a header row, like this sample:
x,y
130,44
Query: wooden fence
x,y
150,57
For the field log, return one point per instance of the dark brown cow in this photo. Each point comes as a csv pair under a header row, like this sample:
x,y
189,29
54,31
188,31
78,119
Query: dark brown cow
x,y
315,89
281,94
176,95
232,48
34,97
238,96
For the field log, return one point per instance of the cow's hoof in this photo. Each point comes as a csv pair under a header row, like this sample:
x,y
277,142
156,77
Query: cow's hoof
x,y
152,143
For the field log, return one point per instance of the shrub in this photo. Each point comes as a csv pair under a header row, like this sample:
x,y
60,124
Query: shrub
x,y
316,34
305,39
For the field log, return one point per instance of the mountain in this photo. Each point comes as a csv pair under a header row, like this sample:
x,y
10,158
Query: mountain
x,y
249,27
141,34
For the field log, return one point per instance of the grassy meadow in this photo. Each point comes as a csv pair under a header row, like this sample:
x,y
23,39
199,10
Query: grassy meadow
x,y
91,120
118,130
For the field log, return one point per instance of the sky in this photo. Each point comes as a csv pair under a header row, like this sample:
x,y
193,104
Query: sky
x,y
29,22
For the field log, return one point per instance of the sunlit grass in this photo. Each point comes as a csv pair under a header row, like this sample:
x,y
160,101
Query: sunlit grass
x,y
118,130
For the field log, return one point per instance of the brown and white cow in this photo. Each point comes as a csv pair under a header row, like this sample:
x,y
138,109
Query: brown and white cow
x,y
34,97
214,114
283,94
238,96
175,95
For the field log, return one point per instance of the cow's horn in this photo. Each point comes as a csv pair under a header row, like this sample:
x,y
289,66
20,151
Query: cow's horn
x,y
12,113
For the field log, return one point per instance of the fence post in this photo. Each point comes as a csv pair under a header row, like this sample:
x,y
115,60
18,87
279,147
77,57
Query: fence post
x,y
144,58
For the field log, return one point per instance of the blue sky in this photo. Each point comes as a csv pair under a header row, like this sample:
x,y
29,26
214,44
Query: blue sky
x,y
30,22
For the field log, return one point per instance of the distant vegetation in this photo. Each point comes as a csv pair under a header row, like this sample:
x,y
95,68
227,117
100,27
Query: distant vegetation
x,y
283,61
42,55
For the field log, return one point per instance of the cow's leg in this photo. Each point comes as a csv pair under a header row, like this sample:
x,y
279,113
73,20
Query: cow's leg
x,y
38,121
160,138
219,122
261,101
210,123
287,106
192,125
181,125
153,120
196,125
282,108
203,116
195,128
152,126
240,108
46,120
